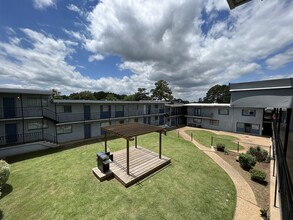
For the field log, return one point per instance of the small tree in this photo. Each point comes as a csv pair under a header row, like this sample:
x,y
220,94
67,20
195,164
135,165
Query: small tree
x,y
4,173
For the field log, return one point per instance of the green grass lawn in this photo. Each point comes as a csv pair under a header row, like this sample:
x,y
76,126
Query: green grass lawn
x,y
59,184
204,137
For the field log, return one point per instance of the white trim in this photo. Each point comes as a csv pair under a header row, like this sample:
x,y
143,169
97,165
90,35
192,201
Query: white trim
x,y
263,88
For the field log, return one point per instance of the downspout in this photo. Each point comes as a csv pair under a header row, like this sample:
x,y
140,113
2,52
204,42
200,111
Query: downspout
x,y
56,135
42,117
22,116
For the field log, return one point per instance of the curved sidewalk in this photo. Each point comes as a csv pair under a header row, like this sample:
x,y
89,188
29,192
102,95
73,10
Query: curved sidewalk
x,y
246,205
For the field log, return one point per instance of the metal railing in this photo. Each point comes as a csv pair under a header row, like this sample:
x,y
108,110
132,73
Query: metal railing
x,y
19,112
10,140
284,179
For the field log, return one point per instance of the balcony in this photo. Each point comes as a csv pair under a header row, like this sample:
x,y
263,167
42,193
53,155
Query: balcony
x,y
18,112
11,140
204,115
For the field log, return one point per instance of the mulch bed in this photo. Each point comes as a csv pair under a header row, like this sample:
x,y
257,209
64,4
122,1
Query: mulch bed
x,y
261,191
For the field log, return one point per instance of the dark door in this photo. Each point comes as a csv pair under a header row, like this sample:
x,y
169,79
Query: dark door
x,y
149,109
11,133
87,131
87,112
9,107
247,128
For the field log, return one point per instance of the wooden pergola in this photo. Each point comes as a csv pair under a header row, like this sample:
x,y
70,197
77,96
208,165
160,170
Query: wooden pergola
x,y
130,132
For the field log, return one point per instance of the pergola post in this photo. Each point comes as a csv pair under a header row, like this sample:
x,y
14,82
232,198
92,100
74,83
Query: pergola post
x,y
127,156
135,141
105,141
160,146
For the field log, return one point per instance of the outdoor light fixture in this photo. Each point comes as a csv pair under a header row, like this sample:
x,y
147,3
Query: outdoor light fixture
x,y
234,3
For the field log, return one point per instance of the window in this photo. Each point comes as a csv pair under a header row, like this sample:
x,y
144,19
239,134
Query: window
x,y
223,111
240,125
105,108
33,101
248,112
45,101
67,108
37,124
136,119
197,120
103,124
214,122
156,106
197,112
255,127
119,108
64,129
156,118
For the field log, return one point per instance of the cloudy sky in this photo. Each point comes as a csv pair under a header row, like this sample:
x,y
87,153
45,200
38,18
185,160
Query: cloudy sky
x,y
121,45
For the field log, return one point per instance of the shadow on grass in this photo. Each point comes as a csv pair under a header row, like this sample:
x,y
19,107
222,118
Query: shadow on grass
x,y
1,215
7,188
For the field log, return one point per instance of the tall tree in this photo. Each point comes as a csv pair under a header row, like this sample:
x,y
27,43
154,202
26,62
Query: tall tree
x,y
141,94
218,94
162,91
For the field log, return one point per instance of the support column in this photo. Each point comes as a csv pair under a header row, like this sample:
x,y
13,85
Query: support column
x,y
105,141
127,155
160,146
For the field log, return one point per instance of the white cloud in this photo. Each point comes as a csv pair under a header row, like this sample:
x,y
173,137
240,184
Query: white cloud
x,y
96,57
74,8
280,59
167,42
42,4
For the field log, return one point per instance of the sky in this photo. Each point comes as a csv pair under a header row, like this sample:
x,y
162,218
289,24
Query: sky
x,y
122,45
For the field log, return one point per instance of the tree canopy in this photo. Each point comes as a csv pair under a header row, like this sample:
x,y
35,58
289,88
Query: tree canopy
x,y
162,91
217,94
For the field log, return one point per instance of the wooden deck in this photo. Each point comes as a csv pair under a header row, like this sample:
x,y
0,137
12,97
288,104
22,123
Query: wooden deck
x,y
143,162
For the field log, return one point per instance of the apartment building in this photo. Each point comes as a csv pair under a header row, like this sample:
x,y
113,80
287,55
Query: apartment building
x,y
31,120
277,95
225,118
83,119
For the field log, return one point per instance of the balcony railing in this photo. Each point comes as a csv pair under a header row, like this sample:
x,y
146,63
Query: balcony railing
x,y
10,140
205,115
70,117
284,179
19,112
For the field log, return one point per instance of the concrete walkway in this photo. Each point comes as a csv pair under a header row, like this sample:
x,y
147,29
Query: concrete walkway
x,y
246,205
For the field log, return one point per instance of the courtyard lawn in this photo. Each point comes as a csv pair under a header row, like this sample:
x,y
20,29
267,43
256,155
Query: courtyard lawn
x,y
204,137
59,184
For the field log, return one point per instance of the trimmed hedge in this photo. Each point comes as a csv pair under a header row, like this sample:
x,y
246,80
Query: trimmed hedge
x,y
260,154
221,147
257,175
246,161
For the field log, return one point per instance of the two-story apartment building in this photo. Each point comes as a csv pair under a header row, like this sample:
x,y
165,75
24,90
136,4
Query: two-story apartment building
x,y
225,118
32,116
83,119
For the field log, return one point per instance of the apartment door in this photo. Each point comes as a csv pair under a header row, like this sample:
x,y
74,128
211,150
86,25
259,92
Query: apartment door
x,y
87,112
247,128
9,107
11,133
87,131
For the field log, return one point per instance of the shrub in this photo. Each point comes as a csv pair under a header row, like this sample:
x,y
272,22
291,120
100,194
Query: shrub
x,y
246,161
260,154
4,173
220,147
257,175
